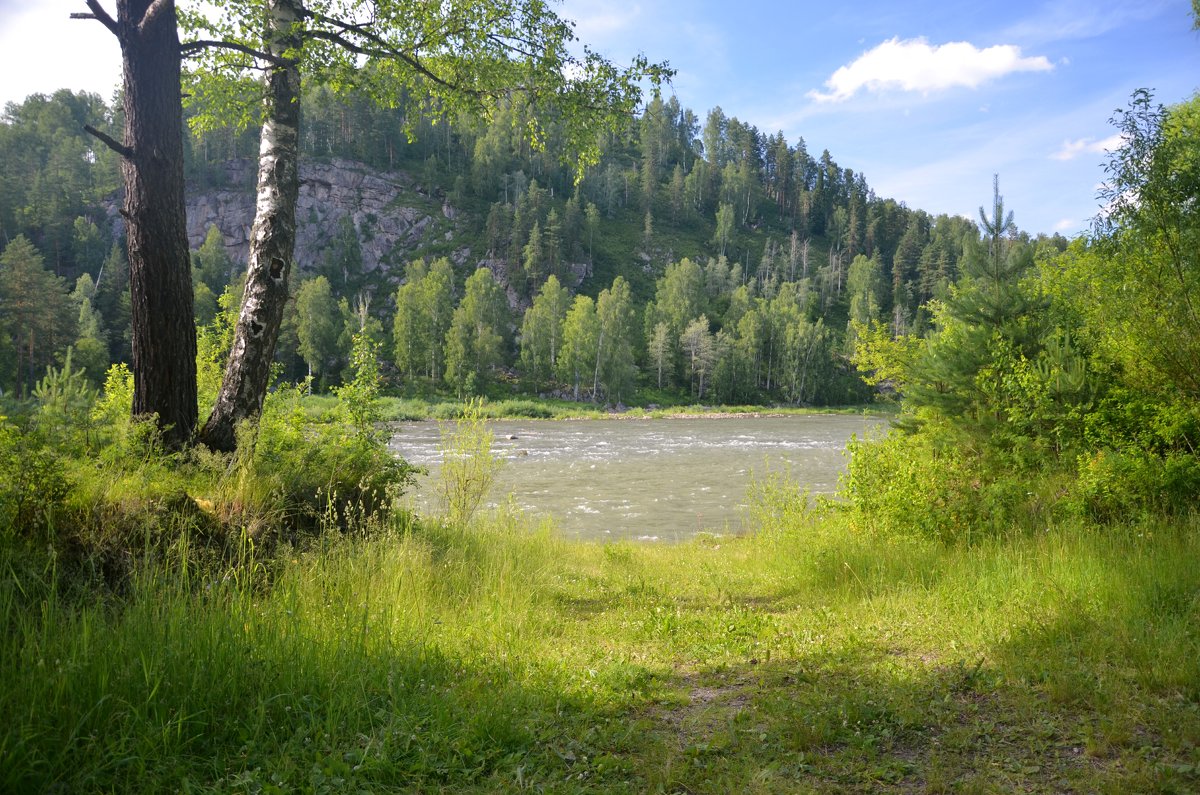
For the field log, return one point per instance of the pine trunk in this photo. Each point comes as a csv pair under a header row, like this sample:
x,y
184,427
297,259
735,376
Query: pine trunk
x,y
272,241
160,276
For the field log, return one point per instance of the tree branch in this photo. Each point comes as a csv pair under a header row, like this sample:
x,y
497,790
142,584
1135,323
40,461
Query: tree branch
x,y
156,10
118,147
357,27
100,15
192,47
382,50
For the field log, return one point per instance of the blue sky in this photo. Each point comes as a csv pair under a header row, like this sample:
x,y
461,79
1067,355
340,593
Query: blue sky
x,y
1026,91
927,99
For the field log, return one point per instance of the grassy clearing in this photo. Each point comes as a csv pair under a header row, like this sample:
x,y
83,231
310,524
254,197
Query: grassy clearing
x,y
501,657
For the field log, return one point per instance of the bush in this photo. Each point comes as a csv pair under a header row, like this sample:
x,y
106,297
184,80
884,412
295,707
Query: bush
x,y
316,475
1118,486
33,484
519,408
468,465
905,485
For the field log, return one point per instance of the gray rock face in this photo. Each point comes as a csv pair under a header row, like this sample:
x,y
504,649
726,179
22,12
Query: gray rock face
x,y
386,210
393,216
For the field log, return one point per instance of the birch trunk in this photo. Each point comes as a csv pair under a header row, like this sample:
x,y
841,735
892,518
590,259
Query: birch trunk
x,y
272,239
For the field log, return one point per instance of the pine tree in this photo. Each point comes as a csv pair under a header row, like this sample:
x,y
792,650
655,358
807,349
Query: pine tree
x,y
36,310
986,327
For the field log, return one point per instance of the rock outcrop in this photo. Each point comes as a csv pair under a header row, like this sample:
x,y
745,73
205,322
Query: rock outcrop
x,y
392,217
395,219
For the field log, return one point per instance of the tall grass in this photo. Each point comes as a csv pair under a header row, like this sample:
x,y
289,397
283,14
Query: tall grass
x,y
504,657
367,650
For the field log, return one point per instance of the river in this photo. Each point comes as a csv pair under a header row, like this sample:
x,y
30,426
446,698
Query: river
x,y
646,479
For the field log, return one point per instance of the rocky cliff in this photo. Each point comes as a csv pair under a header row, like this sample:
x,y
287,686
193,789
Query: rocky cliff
x,y
393,217
396,220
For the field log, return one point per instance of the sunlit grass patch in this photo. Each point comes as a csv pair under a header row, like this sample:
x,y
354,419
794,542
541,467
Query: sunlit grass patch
x,y
503,657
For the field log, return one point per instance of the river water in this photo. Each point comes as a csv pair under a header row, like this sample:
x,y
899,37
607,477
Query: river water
x,y
646,479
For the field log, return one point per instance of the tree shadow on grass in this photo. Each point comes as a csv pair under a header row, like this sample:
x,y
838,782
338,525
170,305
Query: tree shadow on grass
x,y
879,721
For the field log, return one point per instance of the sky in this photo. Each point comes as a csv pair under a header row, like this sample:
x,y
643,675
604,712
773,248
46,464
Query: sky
x,y
927,99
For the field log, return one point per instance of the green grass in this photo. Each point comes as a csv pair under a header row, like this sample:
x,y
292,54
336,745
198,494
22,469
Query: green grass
x,y
394,409
503,658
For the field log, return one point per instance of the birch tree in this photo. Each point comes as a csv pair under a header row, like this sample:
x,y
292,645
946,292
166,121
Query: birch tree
x,y
614,371
542,330
456,55
700,348
581,332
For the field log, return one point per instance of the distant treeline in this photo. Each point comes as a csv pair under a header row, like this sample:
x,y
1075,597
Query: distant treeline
x,y
742,258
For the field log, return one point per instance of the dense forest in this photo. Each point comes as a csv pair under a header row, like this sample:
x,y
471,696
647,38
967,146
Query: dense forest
x,y
722,261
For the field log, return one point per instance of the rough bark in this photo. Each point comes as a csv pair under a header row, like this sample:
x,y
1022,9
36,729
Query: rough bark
x,y
160,278
272,239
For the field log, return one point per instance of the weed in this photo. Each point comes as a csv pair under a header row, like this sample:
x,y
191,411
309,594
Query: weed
x,y
469,466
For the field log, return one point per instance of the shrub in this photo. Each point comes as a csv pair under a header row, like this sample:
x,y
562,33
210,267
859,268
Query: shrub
x,y
337,473
779,505
905,485
468,465
33,485
520,408
1118,486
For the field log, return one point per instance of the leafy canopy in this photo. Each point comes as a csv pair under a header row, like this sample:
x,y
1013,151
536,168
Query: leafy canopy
x,y
459,56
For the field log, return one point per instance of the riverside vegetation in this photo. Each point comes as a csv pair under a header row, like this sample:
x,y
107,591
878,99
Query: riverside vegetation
x,y
185,623
1005,596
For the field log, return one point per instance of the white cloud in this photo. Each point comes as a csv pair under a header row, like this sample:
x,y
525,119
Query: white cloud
x,y
1066,225
915,65
1087,146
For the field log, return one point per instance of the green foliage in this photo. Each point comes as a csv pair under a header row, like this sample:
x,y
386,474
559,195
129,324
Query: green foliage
x,y
542,331
469,467
342,264
55,176
905,486
65,397
37,313
33,485
1116,486
323,476
121,436
211,264
581,333
360,395
213,343
416,56
424,310
781,507
1136,283
883,360
699,352
475,341
319,324
615,342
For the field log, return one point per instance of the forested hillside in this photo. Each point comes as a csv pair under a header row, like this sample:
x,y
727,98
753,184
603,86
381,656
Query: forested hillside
x,y
700,256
